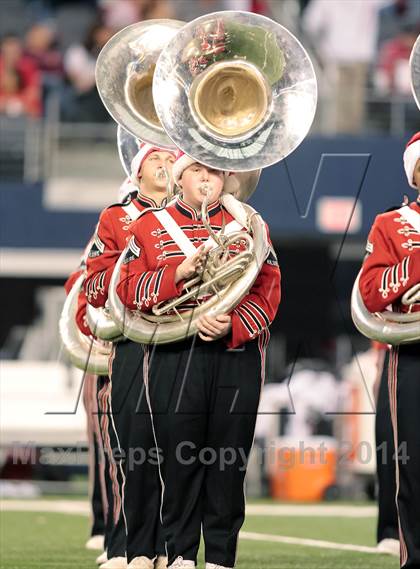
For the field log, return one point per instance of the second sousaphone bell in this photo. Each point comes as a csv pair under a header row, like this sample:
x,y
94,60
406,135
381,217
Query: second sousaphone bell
x,y
235,90
124,76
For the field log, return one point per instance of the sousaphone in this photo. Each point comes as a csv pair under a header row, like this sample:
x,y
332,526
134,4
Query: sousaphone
x,y
85,352
237,92
392,327
125,72
387,327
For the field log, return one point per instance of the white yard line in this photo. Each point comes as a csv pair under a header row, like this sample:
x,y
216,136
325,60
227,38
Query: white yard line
x,y
312,510
251,536
80,507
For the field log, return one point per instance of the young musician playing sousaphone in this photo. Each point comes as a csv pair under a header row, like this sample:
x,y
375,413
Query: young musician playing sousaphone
x,y
390,270
203,391
136,487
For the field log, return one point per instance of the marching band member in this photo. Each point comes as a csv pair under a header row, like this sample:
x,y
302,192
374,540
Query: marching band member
x,y
387,526
136,486
97,471
203,392
94,387
391,268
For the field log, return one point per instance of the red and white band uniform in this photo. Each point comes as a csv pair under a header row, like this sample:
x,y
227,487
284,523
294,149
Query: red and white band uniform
x,y
136,486
202,392
390,269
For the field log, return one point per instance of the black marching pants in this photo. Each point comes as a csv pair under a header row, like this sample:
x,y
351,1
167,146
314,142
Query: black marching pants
x,y
115,539
404,395
97,475
387,509
97,504
101,383
134,452
204,401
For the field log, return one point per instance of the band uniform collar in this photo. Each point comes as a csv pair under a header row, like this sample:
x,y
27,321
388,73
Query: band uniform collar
x,y
145,201
190,212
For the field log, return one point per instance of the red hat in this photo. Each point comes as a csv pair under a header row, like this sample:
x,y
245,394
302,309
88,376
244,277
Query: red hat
x,y
411,155
144,150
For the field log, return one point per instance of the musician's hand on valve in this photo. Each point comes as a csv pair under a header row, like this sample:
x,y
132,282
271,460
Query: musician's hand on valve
x,y
192,265
210,329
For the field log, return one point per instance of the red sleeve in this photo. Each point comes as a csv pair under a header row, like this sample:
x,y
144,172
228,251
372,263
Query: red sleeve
x,y
68,285
100,261
141,288
382,281
81,303
81,320
257,309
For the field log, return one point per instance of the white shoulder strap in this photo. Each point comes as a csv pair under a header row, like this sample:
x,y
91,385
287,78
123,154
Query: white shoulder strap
x,y
132,211
175,232
181,239
411,216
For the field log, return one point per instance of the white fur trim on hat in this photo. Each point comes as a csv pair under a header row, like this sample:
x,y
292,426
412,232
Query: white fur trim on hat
x,y
139,158
180,165
411,156
137,161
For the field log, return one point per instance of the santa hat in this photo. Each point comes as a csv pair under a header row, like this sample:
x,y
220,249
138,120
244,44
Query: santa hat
x,y
411,155
144,150
181,163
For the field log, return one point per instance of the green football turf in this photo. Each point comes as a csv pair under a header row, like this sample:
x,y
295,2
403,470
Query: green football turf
x,y
44,540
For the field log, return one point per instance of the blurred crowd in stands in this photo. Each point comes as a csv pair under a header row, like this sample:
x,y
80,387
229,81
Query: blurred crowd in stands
x,y
361,46
49,47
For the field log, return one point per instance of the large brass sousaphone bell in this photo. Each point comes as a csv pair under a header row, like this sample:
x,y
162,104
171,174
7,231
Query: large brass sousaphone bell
x,y
124,76
236,90
124,73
